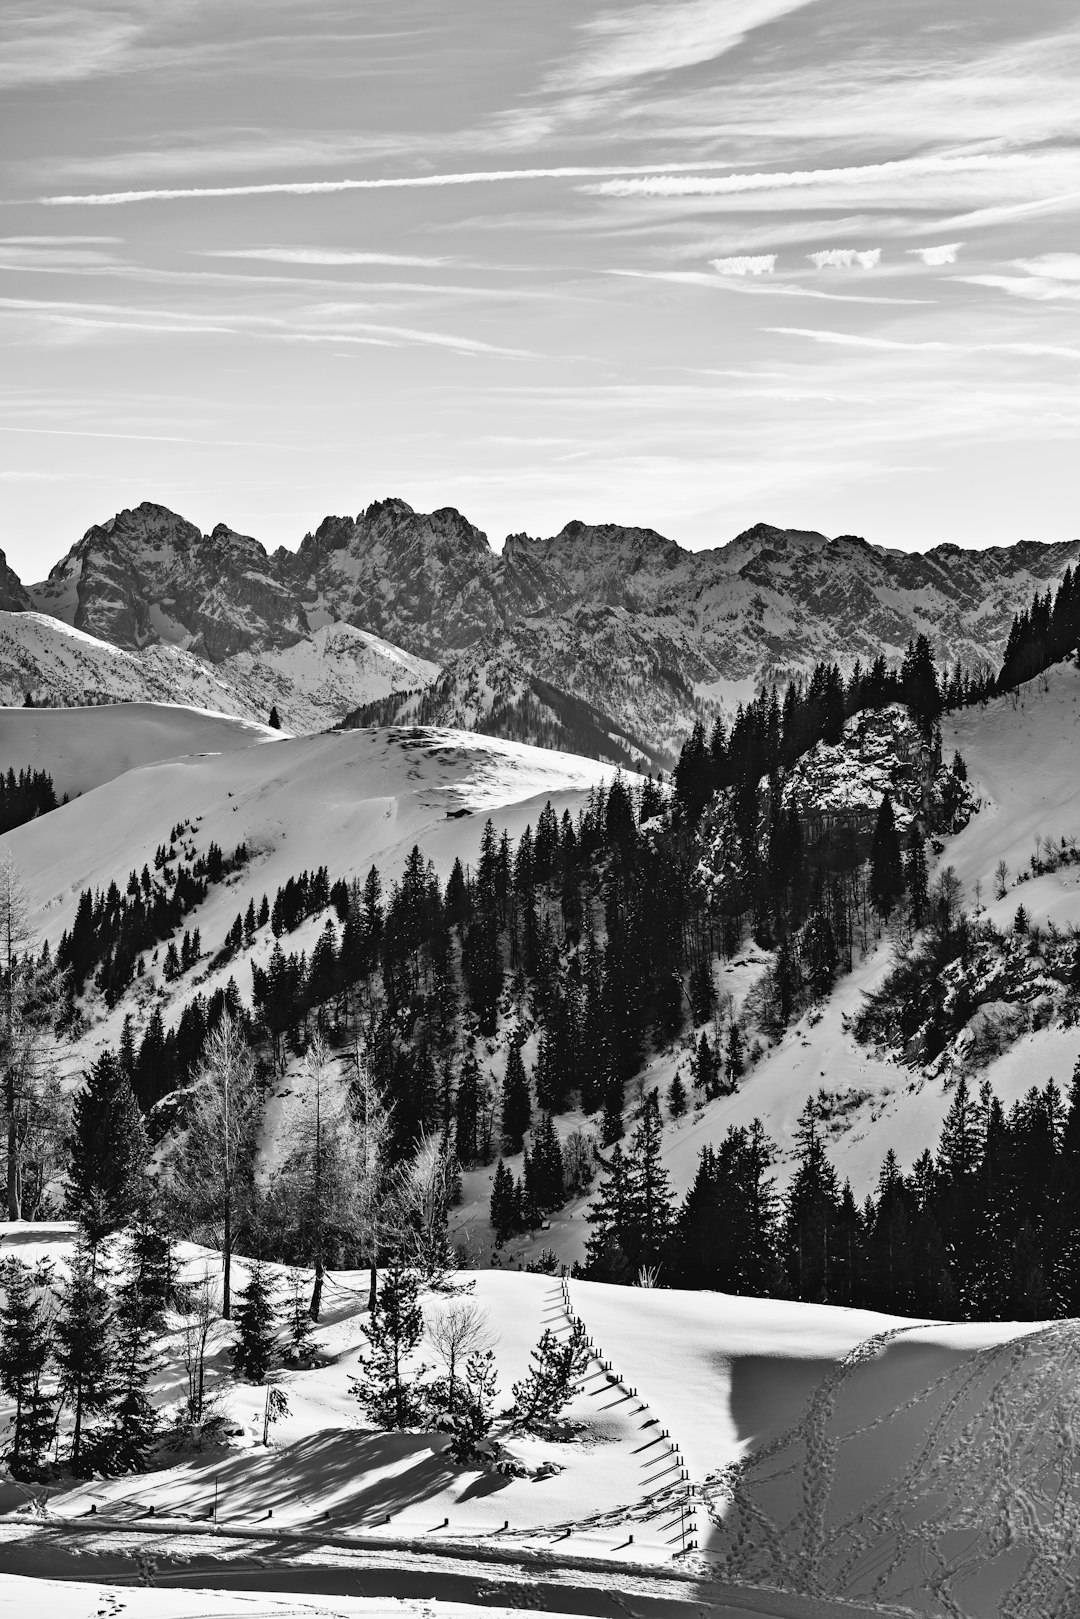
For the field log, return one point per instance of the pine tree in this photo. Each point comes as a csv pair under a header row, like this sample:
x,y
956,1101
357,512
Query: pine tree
x,y
648,1214
702,991
542,1395
108,1151
26,1346
886,867
84,1348
503,1210
256,1326
137,1321
916,879
516,1100
677,1096
467,1104
544,1178
274,722
389,1395
813,1208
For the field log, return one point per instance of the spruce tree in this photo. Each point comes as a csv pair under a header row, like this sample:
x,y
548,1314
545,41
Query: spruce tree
x,y
274,722
886,867
467,1104
542,1395
516,1100
648,1212
916,879
388,1393
84,1348
812,1214
26,1346
138,1321
503,1210
677,1096
108,1151
256,1326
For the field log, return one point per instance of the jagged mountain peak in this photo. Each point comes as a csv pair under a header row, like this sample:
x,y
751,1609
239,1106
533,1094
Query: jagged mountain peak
x,y
14,596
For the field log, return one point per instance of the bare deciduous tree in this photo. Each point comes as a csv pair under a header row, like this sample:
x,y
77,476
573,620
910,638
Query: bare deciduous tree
x,y
424,1187
33,1106
210,1167
459,1330
195,1329
331,1190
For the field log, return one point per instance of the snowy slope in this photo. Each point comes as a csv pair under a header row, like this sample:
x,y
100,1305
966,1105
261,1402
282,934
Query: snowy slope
x,y
313,682
1023,758
344,799
82,747
834,1454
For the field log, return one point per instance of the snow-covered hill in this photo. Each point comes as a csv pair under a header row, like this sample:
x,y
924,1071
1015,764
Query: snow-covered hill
x,y
829,1455
343,799
81,748
313,682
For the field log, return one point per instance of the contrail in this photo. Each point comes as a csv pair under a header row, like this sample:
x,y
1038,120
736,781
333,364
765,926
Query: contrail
x,y
307,188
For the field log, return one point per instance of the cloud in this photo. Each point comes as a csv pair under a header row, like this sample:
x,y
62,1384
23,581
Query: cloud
x,y
308,188
945,254
61,44
849,340
739,284
58,241
746,264
1054,266
673,184
662,38
846,258
322,255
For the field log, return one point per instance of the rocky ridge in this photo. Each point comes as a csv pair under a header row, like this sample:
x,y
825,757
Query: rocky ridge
x,y
643,633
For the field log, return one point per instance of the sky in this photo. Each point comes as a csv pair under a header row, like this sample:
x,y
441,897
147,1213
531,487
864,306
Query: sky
x,y
689,264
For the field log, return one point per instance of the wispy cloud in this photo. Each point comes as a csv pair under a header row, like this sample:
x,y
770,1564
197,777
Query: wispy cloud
x,y
671,184
846,258
61,44
651,39
746,264
325,255
754,287
1047,278
850,340
946,253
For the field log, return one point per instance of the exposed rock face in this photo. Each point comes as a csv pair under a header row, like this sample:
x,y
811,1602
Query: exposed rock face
x,y
622,619
428,582
14,597
147,576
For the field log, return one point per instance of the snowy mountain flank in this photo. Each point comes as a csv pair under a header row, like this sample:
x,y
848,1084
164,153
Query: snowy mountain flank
x,y
599,637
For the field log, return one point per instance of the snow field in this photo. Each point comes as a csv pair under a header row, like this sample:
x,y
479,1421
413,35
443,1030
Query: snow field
x,y
81,748
836,1454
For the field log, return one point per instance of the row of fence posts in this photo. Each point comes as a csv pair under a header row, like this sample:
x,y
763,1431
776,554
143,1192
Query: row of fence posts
x,y
688,1505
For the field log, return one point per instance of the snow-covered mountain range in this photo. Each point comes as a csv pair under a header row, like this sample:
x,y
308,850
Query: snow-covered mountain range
x,y
601,638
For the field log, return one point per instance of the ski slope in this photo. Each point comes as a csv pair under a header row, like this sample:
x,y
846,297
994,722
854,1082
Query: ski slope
x,y
833,1454
81,748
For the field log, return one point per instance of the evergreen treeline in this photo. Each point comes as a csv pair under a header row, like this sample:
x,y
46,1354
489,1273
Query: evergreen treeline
x,y
769,734
985,1228
1042,635
24,796
112,931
